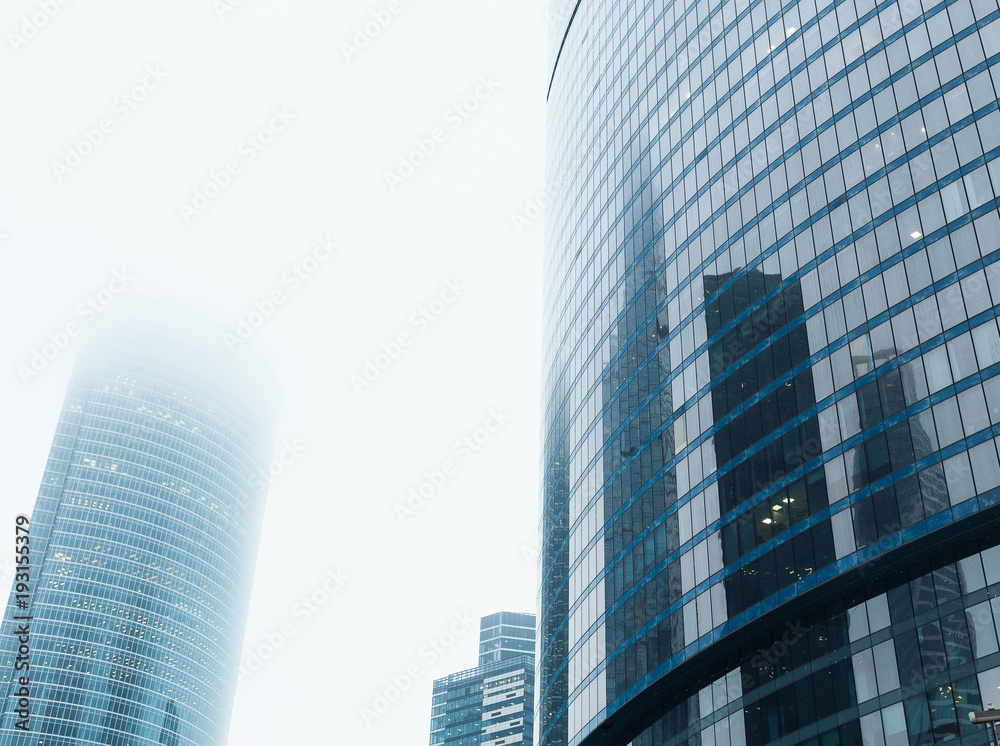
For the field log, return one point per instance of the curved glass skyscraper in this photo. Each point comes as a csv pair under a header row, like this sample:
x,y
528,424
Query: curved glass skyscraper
x,y
142,543
771,481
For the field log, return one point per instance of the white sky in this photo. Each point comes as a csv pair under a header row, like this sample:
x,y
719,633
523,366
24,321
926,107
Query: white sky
x,y
218,80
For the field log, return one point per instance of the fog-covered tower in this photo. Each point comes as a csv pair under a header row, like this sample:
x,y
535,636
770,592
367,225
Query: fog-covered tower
x,y
143,542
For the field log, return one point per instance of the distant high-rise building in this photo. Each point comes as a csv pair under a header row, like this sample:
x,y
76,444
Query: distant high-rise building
x,y
491,704
506,635
142,543
771,500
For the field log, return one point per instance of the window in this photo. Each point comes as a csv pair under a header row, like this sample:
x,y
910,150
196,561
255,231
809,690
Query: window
x,y
864,671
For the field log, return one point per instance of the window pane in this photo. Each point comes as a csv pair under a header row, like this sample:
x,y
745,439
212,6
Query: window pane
x,y
970,570
878,613
895,725
864,675
986,341
918,721
967,699
955,632
932,649
944,719
885,666
959,478
857,622
981,631
871,729
989,687
985,468
937,369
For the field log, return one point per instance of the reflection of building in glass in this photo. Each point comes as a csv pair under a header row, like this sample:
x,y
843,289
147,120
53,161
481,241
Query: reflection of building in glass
x,y
903,504
771,484
143,543
633,451
761,388
492,703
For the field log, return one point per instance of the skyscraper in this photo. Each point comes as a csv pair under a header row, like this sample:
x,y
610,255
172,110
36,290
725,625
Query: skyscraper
x,y
771,482
492,703
142,543
506,635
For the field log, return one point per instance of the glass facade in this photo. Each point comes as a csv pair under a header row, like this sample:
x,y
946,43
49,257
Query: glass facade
x,y
771,357
902,663
142,542
492,703
505,635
